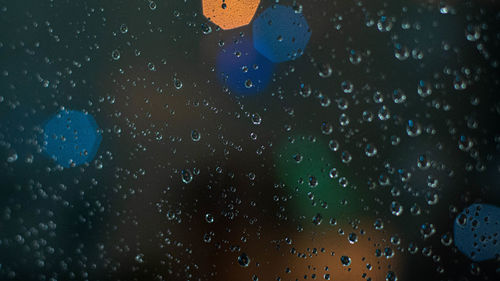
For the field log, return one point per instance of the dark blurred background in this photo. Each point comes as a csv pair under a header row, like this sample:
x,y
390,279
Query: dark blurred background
x,y
415,80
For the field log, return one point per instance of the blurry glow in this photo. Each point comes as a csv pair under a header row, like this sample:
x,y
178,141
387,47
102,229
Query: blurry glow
x,y
317,255
242,69
477,230
280,33
229,14
71,137
317,180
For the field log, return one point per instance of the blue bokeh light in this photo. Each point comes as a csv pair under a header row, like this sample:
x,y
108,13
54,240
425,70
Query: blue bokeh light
x,y
242,69
477,230
280,33
71,137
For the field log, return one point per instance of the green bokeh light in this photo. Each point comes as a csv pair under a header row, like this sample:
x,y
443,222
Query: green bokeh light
x,y
316,178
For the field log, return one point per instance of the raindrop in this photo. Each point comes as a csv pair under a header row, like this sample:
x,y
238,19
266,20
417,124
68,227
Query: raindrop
x,y
115,54
123,28
243,260
195,135
396,208
345,260
187,176
326,128
209,218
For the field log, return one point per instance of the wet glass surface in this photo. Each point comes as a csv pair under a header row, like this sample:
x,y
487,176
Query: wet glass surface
x,y
249,140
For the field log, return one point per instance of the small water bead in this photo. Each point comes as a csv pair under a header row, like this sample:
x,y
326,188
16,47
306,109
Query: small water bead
x,y
345,260
378,224
12,157
378,97
244,260
367,116
324,100
344,120
139,258
412,248
248,84
313,181
326,128
256,119
305,90
475,269
123,28
98,164
444,8
152,6
398,96
346,157
317,219
354,57
253,136
353,238
325,70
413,129
465,143
473,32
384,113
207,238
432,181
396,208
152,67
391,276
333,145
461,219
395,240
417,54
427,230
333,173
459,83
415,209
196,171
297,8
395,140
177,83
446,239
423,162
195,135
343,182
384,24
347,87
384,180
115,54
388,253
342,104
404,175
209,218
370,150
186,176
297,157
401,52
206,29
424,89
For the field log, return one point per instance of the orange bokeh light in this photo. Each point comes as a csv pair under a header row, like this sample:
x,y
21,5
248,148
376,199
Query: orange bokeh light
x,y
230,14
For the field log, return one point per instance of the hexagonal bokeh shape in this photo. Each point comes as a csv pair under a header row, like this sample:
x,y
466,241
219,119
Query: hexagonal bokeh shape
x,y
71,137
476,231
242,69
230,14
280,33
